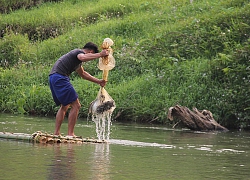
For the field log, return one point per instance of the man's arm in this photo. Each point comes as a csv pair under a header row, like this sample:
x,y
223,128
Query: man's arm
x,y
87,76
90,56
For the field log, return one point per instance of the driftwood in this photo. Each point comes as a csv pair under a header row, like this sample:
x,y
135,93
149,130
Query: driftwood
x,y
195,120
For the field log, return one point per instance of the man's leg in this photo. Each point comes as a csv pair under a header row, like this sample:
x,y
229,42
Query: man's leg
x,y
73,115
59,118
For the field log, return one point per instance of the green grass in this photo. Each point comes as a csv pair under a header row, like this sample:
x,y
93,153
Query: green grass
x,y
167,53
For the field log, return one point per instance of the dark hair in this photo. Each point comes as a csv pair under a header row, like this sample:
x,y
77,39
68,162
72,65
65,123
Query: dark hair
x,y
91,46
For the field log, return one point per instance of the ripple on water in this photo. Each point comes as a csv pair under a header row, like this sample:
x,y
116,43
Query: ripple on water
x,y
139,144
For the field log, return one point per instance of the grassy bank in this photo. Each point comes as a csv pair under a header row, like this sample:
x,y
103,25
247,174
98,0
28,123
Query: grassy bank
x,y
192,53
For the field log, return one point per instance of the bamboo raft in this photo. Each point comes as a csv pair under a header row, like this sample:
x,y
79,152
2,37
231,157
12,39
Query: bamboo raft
x,y
45,138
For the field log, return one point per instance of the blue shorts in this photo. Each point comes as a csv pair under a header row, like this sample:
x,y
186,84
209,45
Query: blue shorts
x,y
62,90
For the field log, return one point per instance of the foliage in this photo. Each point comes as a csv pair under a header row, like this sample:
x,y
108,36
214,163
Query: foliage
x,y
12,47
167,53
8,6
232,72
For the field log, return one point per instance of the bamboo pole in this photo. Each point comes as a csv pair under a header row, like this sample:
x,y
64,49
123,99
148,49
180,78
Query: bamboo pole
x,y
20,136
40,137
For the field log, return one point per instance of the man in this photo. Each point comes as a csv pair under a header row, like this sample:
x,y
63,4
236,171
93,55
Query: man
x,y
62,90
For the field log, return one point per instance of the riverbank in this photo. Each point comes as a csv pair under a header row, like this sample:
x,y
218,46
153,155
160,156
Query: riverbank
x,y
167,53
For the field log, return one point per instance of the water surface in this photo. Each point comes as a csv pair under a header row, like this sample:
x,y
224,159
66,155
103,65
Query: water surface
x,y
134,151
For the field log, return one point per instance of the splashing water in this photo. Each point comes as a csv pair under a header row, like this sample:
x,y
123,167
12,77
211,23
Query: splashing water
x,y
101,109
103,124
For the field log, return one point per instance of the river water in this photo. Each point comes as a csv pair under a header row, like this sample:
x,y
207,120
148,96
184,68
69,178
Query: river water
x,y
134,151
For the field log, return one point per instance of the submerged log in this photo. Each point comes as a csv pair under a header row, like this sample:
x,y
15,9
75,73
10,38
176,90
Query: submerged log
x,y
195,120
40,137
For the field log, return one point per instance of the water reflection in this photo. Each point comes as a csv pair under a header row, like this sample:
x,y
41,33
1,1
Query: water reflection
x,y
63,164
101,162
66,163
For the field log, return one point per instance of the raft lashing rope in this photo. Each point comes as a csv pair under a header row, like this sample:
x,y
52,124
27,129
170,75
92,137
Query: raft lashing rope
x,y
103,106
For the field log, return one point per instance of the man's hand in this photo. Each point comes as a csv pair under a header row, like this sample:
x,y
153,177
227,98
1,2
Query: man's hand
x,y
102,82
104,53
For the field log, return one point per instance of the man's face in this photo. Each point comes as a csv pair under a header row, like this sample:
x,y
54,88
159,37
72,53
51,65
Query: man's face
x,y
91,51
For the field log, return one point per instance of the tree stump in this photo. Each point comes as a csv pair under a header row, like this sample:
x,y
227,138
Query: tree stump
x,y
195,120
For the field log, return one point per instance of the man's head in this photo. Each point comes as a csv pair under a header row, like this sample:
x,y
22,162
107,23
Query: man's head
x,y
91,46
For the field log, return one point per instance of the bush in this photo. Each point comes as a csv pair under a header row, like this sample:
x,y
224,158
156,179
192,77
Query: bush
x,y
12,47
